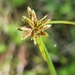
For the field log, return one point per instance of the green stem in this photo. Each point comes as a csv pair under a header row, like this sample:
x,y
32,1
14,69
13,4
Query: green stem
x,y
62,22
48,59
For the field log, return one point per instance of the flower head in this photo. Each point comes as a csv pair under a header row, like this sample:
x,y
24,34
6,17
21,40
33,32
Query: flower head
x,y
36,27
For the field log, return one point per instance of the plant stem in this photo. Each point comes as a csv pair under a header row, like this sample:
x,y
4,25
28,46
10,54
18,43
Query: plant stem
x,y
62,22
46,56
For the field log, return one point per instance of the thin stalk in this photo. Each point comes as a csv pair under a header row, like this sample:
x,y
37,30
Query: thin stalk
x,y
62,22
46,56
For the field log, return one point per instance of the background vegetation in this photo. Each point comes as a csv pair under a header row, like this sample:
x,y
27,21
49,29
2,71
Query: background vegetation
x,y
19,57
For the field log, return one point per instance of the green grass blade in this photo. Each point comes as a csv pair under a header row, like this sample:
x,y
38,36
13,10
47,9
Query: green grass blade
x,y
62,22
48,59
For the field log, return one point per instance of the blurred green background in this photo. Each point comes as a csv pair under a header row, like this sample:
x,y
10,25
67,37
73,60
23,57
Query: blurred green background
x,y
22,57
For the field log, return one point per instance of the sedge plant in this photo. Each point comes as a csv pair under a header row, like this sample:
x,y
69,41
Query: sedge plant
x,y
35,29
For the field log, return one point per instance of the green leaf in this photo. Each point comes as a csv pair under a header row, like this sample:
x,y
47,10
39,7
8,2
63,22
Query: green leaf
x,y
3,48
